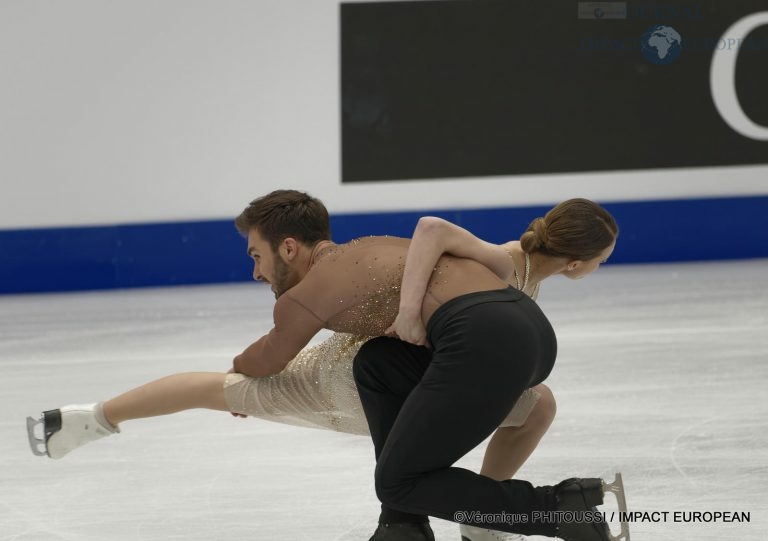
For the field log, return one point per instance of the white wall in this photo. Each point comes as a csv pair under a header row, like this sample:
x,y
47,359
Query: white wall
x,y
127,111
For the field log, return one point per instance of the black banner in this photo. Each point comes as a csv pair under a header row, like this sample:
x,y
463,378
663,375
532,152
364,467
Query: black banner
x,y
476,88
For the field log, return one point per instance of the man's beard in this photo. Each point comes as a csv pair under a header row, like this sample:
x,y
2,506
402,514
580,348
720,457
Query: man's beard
x,y
285,277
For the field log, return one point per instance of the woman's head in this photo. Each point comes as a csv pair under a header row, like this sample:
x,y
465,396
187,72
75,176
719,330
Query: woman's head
x,y
577,230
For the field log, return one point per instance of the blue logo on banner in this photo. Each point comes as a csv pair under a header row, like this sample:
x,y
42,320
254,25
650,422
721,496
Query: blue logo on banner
x,y
662,44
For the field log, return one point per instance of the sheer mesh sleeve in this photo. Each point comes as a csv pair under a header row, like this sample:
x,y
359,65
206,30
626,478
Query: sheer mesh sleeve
x,y
354,288
294,328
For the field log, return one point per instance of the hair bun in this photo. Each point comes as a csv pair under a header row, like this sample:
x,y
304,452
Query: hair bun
x,y
539,229
535,237
576,229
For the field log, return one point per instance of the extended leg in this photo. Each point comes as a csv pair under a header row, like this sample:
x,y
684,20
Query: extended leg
x,y
62,430
168,395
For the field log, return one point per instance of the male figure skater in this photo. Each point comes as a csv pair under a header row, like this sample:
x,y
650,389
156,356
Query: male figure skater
x,y
414,396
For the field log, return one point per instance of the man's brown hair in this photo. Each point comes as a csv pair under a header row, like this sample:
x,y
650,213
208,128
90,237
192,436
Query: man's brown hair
x,y
286,213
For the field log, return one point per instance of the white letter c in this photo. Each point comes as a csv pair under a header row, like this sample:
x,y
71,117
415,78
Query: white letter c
x,y
722,80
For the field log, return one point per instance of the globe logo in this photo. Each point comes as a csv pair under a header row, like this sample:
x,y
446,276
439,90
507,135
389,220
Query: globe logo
x,y
599,13
662,44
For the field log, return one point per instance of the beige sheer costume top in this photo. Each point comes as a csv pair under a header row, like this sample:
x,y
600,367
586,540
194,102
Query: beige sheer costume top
x,y
353,289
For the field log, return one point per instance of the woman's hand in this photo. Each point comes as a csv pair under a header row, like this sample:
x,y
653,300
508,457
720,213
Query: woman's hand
x,y
408,327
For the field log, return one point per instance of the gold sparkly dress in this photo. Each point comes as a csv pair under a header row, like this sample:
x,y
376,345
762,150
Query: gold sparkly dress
x,y
316,389
352,289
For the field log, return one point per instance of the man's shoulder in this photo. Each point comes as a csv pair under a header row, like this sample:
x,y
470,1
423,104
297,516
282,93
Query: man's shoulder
x,y
374,240
335,260
334,251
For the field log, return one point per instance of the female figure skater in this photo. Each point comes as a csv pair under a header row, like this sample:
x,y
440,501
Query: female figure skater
x,y
413,448
317,390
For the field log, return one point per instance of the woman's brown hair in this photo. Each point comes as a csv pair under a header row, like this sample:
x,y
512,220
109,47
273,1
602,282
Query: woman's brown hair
x,y
577,229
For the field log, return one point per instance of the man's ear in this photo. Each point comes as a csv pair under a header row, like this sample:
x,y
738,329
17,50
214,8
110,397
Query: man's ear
x,y
289,248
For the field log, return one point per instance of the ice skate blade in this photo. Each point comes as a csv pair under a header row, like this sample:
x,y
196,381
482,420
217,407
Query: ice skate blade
x,y
36,444
478,533
617,488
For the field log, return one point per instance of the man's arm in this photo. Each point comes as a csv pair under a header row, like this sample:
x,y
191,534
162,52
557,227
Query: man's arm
x,y
294,327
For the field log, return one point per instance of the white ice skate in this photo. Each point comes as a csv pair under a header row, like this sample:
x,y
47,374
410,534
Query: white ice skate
x,y
473,533
65,429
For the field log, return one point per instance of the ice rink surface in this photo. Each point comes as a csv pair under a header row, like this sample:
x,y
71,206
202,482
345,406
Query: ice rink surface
x,y
662,375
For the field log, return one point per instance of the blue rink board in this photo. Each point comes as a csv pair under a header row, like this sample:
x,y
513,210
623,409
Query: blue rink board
x,y
164,254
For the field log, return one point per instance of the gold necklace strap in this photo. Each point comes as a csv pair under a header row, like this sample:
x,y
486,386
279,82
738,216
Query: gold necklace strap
x,y
514,270
527,271
526,275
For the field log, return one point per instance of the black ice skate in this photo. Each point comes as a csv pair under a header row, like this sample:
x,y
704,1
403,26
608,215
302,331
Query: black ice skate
x,y
65,429
583,495
403,532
